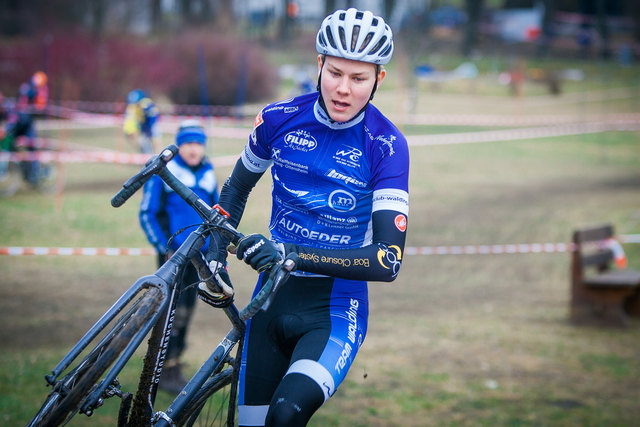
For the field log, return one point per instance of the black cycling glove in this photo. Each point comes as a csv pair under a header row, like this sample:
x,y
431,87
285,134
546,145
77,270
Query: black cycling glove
x,y
259,252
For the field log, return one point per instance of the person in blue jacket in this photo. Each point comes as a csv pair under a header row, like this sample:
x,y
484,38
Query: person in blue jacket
x,y
163,213
340,199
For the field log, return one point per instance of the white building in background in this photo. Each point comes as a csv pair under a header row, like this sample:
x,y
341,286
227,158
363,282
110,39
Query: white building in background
x,y
310,11
313,10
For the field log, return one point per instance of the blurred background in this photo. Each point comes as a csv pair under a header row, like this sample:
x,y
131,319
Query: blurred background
x,y
227,53
522,119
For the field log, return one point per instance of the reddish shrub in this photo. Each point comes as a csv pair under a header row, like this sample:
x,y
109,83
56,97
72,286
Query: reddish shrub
x,y
83,68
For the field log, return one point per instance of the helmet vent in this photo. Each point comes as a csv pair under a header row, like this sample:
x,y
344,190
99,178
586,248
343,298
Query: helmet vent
x,y
366,42
354,38
378,45
343,38
330,39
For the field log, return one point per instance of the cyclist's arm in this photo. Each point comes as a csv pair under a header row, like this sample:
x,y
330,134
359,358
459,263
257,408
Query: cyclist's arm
x,y
379,261
152,214
233,199
236,190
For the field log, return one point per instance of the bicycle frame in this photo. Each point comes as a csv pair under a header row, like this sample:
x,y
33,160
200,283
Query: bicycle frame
x,y
160,322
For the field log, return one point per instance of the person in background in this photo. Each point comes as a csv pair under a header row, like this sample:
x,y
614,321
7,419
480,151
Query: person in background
x,y
340,200
20,129
162,214
41,98
140,126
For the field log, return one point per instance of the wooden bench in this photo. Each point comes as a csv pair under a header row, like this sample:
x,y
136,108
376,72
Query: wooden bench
x,y
601,293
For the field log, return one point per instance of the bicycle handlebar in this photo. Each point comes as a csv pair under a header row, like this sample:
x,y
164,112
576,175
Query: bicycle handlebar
x,y
265,296
151,167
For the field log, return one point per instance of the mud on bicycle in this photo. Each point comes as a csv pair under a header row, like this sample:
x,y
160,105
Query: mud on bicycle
x,y
88,374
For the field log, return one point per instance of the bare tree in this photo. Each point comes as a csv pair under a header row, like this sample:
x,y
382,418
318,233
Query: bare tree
x,y
329,7
388,9
474,9
156,16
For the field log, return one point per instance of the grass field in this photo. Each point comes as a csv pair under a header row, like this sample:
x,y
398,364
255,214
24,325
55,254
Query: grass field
x,y
456,340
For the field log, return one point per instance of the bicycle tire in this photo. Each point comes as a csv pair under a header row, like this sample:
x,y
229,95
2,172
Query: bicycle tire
x,y
68,393
210,406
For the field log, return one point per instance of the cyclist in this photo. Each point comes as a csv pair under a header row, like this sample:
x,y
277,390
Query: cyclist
x,y
141,122
20,128
340,200
41,98
162,214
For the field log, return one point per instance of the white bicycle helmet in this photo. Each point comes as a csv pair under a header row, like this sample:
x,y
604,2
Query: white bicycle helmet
x,y
357,35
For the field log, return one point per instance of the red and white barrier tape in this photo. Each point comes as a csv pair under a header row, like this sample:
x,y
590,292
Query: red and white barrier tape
x,y
414,140
519,248
22,250
76,157
170,123
94,157
66,107
506,120
526,133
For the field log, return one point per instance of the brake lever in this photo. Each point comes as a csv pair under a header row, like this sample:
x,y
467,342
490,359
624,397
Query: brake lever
x,y
282,274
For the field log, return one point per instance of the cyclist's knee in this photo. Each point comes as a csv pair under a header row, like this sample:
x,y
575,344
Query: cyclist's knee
x,y
294,402
284,413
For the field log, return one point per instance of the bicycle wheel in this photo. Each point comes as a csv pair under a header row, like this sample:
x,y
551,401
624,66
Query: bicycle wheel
x,y
210,406
67,396
10,178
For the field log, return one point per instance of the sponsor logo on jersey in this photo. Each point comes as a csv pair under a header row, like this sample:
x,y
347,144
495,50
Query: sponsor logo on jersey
x,y
300,140
288,164
297,229
352,327
289,110
257,122
390,258
390,198
348,156
401,222
345,178
388,142
342,201
351,220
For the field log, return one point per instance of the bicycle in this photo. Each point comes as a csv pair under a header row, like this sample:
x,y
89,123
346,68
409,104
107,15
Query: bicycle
x,y
148,306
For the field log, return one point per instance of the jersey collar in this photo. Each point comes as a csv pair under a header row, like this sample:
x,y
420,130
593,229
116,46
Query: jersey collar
x,y
323,117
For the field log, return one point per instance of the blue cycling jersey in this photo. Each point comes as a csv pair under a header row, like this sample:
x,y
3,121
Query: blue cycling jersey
x,y
163,212
328,177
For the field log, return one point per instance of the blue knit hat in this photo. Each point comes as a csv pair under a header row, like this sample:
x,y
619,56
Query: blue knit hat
x,y
191,131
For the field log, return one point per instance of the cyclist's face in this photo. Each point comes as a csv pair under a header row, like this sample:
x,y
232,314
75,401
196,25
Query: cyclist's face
x,y
192,153
346,85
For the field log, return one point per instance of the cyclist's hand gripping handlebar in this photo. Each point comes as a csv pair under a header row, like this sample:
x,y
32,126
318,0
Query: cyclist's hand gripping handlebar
x,y
153,166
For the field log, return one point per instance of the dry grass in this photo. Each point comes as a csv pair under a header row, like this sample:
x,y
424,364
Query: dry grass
x,y
456,340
